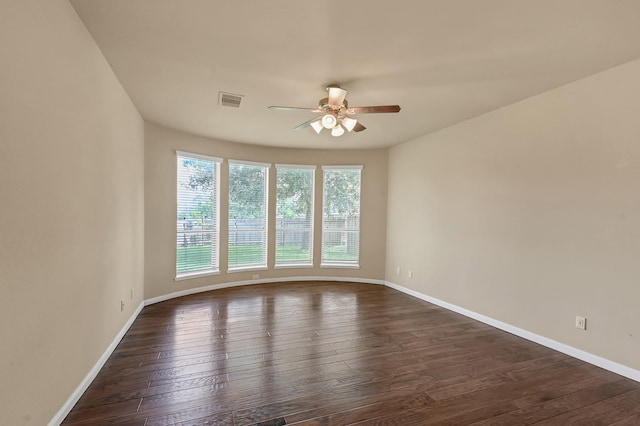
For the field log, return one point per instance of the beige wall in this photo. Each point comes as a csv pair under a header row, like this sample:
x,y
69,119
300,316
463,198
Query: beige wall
x,y
531,214
71,207
160,194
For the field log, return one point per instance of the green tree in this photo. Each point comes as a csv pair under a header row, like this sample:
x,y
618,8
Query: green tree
x,y
342,192
246,192
246,188
294,190
200,183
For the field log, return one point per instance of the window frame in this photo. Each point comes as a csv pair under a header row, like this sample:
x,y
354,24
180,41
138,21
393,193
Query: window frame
x,y
332,263
311,227
215,230
265,244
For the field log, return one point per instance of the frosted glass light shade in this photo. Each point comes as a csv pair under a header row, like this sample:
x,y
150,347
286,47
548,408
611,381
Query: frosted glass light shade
x,y
329,121
349,123
337,131
317,126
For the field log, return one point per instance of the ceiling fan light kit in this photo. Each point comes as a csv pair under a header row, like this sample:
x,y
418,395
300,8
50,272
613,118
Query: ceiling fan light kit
x,y
329,121
337,131
349,123
317,126
335,109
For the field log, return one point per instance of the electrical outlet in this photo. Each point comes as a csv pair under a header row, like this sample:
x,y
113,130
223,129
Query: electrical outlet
x,y
255,277
410,274
397,270
121,305
581,323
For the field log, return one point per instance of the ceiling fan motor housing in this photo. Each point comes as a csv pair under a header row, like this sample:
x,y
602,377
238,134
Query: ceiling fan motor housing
x,y
324,104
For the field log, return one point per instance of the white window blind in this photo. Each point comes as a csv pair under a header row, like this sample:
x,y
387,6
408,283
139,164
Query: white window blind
x,y
248,215
341,215
294,215
197,236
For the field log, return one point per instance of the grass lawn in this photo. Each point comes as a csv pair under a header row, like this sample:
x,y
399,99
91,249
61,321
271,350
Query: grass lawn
x,y
289,253
245,254
195,258
339,253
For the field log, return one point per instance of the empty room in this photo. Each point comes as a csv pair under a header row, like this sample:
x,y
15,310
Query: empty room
x,y
319,213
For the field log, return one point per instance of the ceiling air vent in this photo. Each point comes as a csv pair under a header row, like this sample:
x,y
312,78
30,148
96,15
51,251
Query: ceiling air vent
x,y
229,99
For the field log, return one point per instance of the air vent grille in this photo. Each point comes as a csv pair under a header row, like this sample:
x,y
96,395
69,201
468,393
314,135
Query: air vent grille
x,y
229,99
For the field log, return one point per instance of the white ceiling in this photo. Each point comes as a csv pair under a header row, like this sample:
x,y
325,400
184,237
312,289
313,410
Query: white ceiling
x,y
442,61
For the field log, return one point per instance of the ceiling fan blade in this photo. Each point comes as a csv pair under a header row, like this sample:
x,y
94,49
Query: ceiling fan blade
x,y
359,127
336,96
295,108
373,109
306,123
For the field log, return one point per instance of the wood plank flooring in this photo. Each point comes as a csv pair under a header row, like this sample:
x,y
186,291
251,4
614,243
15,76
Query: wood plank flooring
x,y
326,353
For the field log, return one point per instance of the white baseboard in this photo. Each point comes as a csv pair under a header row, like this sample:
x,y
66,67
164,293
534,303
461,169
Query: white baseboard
x,y
612,366
82,387
260,281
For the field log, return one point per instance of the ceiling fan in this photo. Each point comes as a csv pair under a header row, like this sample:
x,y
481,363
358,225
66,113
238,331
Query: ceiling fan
x,y
336,115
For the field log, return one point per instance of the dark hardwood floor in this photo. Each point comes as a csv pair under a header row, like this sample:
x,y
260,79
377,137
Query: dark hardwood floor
x,y
335,354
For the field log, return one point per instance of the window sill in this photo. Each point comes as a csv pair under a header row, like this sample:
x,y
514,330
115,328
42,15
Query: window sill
x,y
247,268
340,265
198,274
293,266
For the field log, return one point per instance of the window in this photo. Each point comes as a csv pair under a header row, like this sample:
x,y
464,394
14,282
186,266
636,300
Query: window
x,y
294,215
247,215
341,216
197,239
